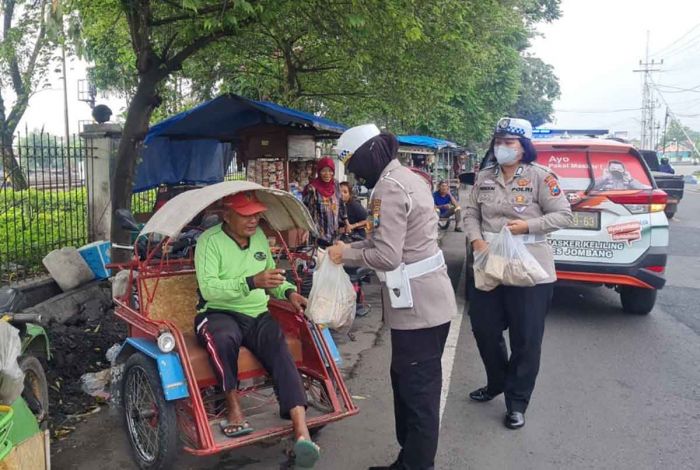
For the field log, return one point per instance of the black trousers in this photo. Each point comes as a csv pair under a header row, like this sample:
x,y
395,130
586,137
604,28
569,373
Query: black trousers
x,y
521,310
223,333
416,379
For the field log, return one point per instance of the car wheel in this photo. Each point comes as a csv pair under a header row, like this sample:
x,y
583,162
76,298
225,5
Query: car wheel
x,y
150,420
637,300
671,210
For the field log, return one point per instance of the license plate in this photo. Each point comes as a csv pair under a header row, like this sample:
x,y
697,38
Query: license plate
x,y
586,221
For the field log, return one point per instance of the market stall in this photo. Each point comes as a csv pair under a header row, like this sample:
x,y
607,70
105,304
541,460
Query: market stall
x,y
255,140
441,159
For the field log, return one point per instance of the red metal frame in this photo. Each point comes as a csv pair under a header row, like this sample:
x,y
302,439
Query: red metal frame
x,y
193,420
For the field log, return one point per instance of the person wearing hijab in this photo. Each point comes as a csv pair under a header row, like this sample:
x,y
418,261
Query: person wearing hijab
x,y
321,196
417,295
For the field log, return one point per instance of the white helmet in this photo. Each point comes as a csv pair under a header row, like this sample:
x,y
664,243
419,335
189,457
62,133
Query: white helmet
x,y
352,139
514,126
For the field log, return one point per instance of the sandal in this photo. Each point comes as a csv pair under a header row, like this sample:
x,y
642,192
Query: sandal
x,y
306,453
235,429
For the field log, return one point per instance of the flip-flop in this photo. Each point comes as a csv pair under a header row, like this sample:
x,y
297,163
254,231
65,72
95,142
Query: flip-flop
x,y
306,453
240,429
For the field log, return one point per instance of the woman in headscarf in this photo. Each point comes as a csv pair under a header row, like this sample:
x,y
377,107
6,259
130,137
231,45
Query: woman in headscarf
x,y
418,299
321,196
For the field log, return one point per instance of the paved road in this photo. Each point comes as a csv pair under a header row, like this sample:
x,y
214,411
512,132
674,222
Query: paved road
x,y
615,390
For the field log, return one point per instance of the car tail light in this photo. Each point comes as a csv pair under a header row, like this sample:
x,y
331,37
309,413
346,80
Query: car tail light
x,y
656,269
641,202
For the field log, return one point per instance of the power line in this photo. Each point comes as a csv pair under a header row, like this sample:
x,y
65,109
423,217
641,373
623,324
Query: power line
x,y
675,118
665,50
648,101
590,111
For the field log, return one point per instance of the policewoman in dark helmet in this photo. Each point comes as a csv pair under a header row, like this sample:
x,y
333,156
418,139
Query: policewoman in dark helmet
x,y
418,299
516,192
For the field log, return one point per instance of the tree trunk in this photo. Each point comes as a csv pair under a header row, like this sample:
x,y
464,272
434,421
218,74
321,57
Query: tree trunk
x,y
135,129
13,172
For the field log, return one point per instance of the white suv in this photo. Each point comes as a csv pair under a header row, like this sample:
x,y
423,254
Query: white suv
x,y
619,235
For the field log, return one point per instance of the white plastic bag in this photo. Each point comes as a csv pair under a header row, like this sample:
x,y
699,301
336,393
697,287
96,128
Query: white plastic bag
x,y
483,281
11,376
510,262
332,297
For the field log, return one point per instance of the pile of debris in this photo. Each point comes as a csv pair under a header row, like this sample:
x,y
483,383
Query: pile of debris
x,y
78,345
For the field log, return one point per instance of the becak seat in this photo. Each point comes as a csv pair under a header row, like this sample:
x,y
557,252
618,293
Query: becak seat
x,y
175,300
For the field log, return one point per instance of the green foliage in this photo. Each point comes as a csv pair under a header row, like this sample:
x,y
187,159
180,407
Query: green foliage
x,y
677,132
34,222
539,88
448,68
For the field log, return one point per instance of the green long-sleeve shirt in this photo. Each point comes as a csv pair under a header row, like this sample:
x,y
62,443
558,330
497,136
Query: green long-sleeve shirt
x,y
225,270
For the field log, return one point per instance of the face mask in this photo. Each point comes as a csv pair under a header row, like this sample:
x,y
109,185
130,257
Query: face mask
x,y
505,155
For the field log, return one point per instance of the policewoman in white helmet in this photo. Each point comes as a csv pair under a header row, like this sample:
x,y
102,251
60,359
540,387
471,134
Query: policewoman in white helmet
x,y
418,297
516,192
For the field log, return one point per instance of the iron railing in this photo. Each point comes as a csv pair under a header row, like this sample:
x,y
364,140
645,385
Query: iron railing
x,y
43,200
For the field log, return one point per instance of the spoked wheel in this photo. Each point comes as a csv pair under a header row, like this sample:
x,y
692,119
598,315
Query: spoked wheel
x,y
317,395
318,398
150,420
36,389
444,224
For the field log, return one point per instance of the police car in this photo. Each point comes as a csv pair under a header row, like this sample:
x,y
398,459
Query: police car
x,y
619,236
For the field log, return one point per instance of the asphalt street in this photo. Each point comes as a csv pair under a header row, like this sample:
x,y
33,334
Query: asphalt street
x,y
614,391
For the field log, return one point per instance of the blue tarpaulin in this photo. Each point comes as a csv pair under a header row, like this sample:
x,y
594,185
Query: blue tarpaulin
x,y
425,141
194,147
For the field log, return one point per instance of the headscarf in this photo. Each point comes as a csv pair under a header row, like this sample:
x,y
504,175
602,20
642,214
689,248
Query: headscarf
x,y
372,157
323,188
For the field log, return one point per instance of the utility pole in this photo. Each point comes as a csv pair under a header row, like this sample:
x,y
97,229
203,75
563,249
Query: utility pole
x,y
65,112
647,67
663,140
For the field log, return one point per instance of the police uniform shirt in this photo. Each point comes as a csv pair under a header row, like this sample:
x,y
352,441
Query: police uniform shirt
x,y
403,229
533,195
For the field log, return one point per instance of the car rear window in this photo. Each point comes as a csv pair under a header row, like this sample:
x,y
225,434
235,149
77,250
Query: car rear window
x,y
609,171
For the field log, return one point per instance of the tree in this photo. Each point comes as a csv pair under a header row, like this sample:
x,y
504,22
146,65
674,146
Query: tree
x,y
25,54
677,132
448,67
539,88
163,35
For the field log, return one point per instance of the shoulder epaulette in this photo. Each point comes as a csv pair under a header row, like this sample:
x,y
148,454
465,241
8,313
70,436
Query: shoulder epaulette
x,y
545,169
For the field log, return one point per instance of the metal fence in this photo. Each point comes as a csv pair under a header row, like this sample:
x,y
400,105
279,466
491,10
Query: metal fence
x,y
43,200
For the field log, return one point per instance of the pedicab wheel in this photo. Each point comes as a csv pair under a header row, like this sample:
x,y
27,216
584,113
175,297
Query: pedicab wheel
x,y
36,388
150,420
444,224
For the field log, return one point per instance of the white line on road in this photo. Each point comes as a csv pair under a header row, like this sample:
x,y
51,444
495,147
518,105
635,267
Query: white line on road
x,y
448,357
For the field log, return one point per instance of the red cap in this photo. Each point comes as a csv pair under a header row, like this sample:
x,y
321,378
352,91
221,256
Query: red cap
x,y
244,203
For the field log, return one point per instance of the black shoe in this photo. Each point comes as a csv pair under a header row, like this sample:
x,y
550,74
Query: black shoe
x,y
458,229
394,466
482,395
514,420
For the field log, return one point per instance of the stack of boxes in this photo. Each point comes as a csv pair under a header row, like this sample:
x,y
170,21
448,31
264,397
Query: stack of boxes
x,y
268,172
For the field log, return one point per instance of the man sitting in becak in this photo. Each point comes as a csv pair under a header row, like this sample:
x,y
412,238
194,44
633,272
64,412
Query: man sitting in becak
x,y
446,204
236,275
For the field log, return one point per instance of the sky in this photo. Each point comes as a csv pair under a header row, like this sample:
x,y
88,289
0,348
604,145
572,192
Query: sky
x,y
594,48
46,106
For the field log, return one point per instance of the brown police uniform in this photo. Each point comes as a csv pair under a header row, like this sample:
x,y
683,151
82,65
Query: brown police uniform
x,y
532,195
404,230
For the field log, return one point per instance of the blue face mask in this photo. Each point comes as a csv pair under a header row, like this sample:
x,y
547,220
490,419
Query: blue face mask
x,y
505,155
